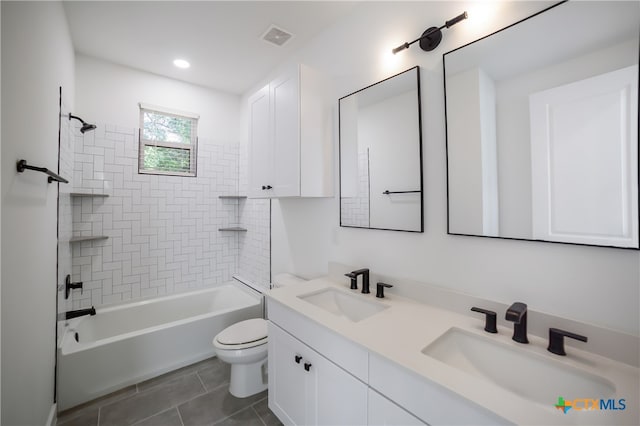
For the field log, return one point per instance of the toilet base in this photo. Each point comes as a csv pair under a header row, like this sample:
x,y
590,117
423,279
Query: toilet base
x,y
248,379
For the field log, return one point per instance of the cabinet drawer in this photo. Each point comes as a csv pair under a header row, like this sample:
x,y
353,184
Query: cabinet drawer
x,y
341,351
385,412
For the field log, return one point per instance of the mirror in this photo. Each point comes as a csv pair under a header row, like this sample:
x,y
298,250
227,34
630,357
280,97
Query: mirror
x,y
381,155
542,128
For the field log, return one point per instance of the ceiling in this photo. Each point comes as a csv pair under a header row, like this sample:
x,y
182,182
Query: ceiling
x,y
221,39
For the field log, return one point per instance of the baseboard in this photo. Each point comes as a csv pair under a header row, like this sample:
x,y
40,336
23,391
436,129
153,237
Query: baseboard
x,y
53,416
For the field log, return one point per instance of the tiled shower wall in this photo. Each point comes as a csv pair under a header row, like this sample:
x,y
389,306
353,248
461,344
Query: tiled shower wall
x,y
354,211
255,244
65,223
163,231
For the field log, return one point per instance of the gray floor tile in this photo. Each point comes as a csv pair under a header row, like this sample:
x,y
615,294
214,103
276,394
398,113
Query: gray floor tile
x,y
267,416
148,384
92,406
155,400
215,406
86,417
166,418
215,374
246,417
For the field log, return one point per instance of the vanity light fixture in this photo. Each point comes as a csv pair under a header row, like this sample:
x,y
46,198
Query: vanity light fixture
x,y
431,37
181,63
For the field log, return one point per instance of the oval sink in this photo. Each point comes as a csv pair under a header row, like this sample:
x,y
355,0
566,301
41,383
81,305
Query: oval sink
x,y
522,372
343,304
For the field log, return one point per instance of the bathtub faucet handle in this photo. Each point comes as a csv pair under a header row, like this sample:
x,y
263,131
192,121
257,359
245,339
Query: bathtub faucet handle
x,y
68,286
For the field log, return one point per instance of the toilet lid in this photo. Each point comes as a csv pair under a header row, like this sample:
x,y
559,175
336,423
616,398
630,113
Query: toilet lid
x,y
244,332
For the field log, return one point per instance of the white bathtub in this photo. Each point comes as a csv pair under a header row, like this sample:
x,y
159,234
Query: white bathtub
x,y
126,344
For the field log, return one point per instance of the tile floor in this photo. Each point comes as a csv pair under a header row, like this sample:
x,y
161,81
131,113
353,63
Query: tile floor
x,y
195,395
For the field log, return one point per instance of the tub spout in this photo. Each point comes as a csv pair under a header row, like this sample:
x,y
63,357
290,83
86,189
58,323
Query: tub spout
x,y
79,313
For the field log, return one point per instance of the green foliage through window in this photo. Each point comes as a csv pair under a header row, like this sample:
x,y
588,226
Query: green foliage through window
x,y
159,158
166,128
168,143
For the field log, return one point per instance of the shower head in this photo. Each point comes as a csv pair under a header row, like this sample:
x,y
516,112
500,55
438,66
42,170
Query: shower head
x,y
86,127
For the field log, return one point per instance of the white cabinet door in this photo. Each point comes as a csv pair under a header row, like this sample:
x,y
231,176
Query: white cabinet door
x,y
260,146
284,94
384,412
307,389
290,137
289,395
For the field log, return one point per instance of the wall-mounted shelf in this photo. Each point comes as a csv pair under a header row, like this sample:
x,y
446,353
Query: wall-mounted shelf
x,y
86,194
233,197
91,238
233,228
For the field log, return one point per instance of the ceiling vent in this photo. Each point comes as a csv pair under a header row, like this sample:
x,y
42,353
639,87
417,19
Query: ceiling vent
x,y
277,36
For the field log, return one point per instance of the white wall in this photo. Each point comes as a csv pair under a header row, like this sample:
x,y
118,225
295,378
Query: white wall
x,y
37,58
109,93
591,284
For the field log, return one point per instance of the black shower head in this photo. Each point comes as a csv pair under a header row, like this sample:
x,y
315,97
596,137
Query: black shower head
x,y
86,127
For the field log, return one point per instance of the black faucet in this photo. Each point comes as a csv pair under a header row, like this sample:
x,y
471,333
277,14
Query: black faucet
x,y
517,313
79,313
354,279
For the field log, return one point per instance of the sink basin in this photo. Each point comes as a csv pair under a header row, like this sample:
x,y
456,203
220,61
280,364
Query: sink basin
x,y
518,370
343,304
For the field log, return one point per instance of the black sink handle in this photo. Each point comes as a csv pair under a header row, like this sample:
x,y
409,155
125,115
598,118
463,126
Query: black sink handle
x,y
490,322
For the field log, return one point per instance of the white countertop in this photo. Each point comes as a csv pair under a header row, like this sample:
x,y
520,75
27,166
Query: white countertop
x,y
402,331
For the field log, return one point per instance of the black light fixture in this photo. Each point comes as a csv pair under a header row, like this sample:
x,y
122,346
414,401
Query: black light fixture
x,y
431,37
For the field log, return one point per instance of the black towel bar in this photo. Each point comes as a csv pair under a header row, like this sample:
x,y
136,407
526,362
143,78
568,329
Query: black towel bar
x,y
387,192
22,166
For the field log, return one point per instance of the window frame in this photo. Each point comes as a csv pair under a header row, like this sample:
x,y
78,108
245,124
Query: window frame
x,y
192,147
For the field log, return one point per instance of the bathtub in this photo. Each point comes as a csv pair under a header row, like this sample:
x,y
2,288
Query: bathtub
x,y
126,344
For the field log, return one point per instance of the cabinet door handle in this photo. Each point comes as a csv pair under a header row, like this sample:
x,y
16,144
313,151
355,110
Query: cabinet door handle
x,y
298,358
307,366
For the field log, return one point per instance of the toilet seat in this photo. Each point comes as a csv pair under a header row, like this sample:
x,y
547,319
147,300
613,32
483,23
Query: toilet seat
x,y
244,334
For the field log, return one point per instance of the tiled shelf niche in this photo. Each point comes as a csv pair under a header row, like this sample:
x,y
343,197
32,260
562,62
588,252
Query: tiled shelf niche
x,y
233,228
91,237
87,194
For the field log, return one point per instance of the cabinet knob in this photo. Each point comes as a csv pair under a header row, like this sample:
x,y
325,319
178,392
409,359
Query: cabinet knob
x,y
298,358
307,366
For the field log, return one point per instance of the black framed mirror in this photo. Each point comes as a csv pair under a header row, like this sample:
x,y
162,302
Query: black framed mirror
x,y
381,155
542,128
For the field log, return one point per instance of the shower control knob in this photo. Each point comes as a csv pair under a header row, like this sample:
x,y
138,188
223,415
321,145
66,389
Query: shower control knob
x,y
307,366
298,358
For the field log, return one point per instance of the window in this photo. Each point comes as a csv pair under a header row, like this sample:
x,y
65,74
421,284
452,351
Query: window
x,y
168,141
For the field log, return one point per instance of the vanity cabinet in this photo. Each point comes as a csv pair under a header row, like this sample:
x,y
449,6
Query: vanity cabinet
x,y
429,401
305,388
290,136
385,412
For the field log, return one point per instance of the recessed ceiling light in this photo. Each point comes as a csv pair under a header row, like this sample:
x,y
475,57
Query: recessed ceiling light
x,y
181,63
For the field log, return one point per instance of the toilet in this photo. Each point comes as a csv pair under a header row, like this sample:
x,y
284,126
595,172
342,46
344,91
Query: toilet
x,y
244,346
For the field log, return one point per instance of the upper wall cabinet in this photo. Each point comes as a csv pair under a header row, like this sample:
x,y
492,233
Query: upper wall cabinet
x,y
542,128
290,148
